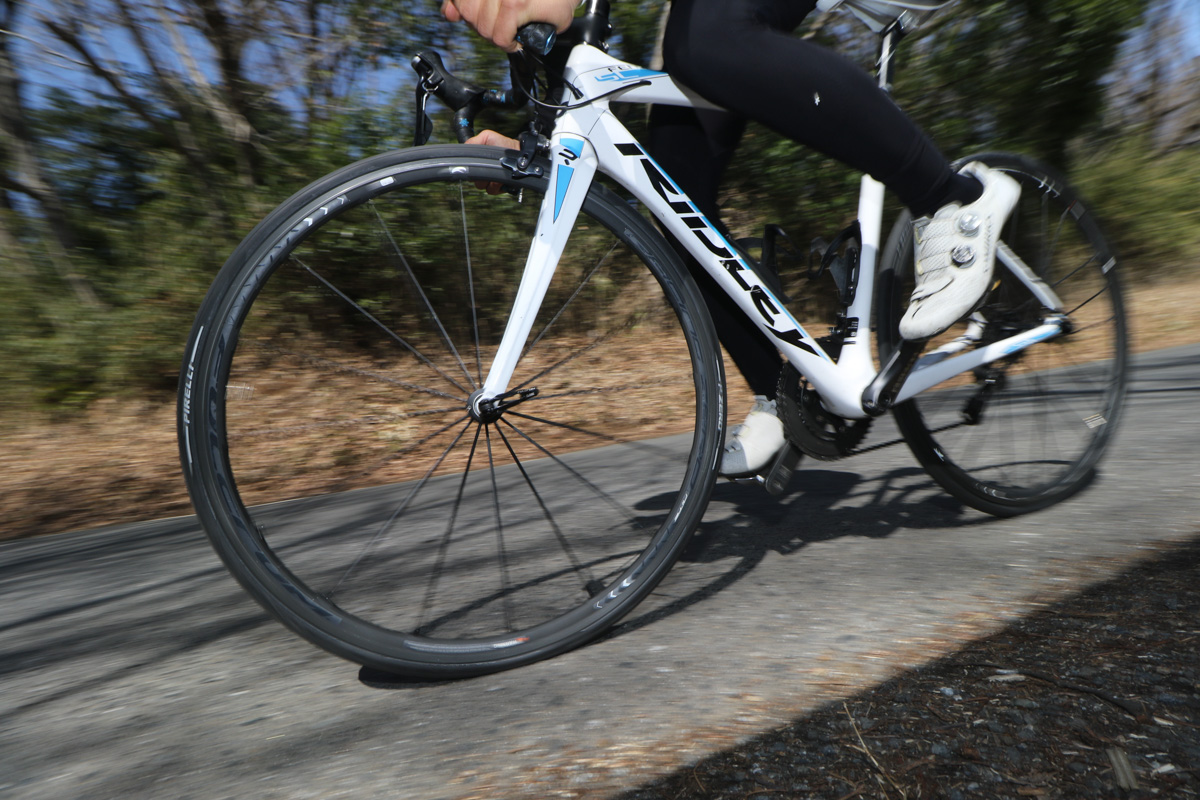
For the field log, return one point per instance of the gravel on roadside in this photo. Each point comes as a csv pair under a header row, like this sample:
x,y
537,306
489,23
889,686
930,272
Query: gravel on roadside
x,y
1094,697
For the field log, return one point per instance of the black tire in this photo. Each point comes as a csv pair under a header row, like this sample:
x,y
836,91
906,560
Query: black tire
x,y
327,446
1028,430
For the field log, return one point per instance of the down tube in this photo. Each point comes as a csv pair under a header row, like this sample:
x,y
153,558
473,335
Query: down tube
x,y
633,168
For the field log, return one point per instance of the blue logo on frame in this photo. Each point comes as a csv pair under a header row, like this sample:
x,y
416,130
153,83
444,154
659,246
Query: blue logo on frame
x,y
574,149
629,75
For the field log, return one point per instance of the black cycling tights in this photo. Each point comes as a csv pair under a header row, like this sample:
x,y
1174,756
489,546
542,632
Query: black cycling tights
x,y
740,54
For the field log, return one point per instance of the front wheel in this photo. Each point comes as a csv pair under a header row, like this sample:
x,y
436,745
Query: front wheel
x,y
1025,431
333,458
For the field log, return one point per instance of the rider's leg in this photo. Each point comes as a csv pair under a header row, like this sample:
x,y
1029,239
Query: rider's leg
x,y
695,147
740,55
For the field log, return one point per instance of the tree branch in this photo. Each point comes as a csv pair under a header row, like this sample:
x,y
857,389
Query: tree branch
x,y
235,125
176,132
31,180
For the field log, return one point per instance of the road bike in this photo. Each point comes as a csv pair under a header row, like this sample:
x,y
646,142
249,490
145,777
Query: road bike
x,y
453,409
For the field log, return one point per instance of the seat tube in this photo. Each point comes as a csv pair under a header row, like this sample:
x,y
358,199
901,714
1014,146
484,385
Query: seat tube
x,y
572,169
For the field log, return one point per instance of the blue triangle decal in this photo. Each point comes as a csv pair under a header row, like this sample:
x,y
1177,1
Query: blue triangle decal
x,y
560,187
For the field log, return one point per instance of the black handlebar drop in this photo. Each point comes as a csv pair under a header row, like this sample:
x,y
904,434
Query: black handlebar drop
x,y
464,98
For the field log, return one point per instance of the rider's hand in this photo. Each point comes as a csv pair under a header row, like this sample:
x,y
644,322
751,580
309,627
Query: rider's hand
x,y
493,138
498,140
498,20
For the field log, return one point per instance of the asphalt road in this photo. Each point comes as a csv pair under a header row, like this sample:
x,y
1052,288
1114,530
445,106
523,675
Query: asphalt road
x,y
133,666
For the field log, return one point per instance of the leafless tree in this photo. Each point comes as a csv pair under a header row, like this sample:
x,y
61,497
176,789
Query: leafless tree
x,y
1158,85
24,174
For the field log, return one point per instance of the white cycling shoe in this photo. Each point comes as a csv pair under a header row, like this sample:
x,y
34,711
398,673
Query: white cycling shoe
x,y
752,445
955,254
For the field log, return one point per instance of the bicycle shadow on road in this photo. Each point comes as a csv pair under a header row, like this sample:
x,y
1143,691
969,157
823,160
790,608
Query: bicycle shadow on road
x,y
745,524
823,504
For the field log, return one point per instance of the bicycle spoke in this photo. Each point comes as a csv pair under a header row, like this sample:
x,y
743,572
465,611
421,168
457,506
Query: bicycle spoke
x,y
439,562
391,334
1051,246
616,390
1098,293
562,309
576,354
405,450
1091,260
629,515
1105,323
346,369
501,549
433,315
486,600
606,437
373,419
462,205
568,550
386,526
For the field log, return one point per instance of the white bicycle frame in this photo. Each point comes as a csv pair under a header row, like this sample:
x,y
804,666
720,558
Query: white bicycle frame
x,y
588,137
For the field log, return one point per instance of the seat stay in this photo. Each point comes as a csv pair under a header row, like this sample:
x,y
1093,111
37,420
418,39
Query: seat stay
x,y
938,366
1037,287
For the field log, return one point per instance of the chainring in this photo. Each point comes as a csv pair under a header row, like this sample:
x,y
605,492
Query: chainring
x,y
818,433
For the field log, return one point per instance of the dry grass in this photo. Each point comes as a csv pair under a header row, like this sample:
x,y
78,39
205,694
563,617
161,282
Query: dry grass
x,y
301,432
119,461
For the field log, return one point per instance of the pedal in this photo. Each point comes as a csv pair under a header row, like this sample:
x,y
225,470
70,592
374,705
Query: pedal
x,y
780,475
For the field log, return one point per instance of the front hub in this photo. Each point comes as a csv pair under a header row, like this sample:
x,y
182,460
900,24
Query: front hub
x,y
487,410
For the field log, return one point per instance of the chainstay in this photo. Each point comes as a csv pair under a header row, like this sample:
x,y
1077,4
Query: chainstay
x,y
898,440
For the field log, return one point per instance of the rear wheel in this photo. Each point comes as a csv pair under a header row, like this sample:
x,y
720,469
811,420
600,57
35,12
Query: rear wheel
x,y
334,462
1025,431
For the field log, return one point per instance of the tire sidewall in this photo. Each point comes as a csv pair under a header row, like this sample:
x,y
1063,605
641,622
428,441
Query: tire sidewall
x,y
211,480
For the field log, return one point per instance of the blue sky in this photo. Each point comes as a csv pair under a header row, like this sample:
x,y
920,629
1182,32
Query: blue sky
x,y
1189,10
43,69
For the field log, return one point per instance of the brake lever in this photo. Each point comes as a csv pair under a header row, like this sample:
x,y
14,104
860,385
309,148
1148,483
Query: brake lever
x,y
423,125
465,99
434,79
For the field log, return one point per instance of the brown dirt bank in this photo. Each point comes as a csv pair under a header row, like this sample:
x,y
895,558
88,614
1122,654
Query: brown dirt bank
x,y
118,462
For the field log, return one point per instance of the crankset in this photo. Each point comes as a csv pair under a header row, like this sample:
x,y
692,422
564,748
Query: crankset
x,y
815,431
